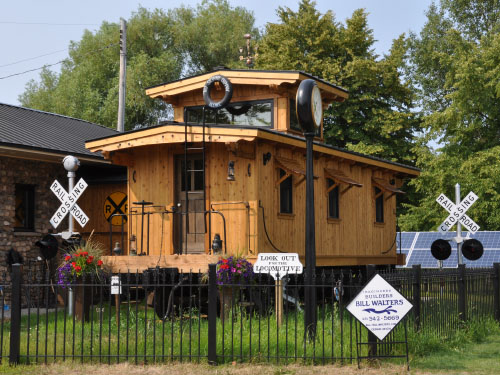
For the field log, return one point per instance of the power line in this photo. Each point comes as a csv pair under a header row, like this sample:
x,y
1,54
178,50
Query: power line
x,y
47,23
33,58
59,62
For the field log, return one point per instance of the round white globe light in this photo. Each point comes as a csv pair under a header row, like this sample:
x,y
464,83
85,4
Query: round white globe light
x,y
71,163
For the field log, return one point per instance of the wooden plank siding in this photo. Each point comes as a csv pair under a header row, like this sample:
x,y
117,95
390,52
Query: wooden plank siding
x,y
92,203
352,239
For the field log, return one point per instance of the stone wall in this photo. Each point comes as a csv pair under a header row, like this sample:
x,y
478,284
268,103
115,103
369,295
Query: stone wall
x,y
40,174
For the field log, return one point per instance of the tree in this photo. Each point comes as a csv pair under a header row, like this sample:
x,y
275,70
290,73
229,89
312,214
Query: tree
x,y
87,86
455,63
210,35
377,119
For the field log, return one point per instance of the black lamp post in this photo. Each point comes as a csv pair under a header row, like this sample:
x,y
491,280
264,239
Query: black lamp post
x,y
309,114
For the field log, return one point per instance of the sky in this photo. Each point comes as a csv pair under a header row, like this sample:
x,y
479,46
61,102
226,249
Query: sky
x,y
32,28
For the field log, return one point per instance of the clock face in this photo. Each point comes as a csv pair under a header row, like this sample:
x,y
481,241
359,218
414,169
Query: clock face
x,y
317,106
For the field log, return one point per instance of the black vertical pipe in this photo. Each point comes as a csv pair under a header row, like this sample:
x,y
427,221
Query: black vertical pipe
x,y
417,281
371,270
496,287
310,245
462,313
15,320
212,314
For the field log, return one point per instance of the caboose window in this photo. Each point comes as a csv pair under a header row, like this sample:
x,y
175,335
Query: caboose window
x,y
286,197
333,199
25,208
251,113
379,205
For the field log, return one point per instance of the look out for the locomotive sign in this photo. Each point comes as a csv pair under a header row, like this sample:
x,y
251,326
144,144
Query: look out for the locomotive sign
x,y
379,307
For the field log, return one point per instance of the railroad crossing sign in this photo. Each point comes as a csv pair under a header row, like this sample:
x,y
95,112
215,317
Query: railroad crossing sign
x,y
68,203
116,203
457,213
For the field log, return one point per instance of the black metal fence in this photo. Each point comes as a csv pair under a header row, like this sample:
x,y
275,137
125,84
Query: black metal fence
x,y
163,315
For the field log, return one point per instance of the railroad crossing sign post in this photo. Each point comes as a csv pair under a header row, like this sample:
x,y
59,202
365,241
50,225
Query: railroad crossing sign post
x,y
68,199
457,216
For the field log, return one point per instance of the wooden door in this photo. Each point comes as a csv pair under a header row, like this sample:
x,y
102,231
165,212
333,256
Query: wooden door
x,y
190,227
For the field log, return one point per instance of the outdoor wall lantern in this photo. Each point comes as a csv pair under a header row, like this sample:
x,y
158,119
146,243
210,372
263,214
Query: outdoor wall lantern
x,y
230,171
217,243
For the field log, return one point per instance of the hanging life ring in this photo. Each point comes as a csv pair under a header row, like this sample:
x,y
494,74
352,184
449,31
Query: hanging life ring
x,y
228,88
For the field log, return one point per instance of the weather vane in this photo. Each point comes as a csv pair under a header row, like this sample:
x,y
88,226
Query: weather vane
x,y
249,58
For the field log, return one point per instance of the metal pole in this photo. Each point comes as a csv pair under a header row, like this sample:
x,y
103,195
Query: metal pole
x,y
459,228
310,248
71,185
123,76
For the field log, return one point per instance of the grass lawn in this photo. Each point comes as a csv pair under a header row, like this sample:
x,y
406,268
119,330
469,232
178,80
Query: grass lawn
x,y
472,358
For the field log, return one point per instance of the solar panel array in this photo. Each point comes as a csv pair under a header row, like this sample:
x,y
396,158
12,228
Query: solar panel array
x,y
417,248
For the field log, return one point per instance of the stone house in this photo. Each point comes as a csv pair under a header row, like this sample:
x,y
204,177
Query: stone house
x,y
32,146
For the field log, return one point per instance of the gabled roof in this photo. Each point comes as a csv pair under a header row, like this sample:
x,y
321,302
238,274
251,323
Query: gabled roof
x,y
31,131
168,91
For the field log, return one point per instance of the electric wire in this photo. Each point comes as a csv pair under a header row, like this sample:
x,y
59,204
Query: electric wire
x,y
33,58
59,62
47,23
265,229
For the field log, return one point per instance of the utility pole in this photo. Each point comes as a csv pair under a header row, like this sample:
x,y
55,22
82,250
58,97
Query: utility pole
x,y
120,126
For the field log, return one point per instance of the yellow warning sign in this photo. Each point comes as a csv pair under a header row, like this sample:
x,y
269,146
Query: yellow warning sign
x,y
116,207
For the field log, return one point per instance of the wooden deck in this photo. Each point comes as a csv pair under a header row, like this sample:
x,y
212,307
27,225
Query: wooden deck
x,y
184,263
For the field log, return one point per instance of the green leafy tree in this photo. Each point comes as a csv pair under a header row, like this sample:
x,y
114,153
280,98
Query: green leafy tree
x,y
87,86
455,64
377,118
210,34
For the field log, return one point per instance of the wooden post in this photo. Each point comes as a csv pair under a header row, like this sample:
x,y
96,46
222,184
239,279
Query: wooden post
x,y
278,293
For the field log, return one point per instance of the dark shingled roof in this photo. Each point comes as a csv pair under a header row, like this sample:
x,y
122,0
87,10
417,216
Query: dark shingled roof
x,y
37,130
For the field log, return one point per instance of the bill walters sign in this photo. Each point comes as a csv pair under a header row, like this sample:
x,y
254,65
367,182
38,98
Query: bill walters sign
x,y
379,307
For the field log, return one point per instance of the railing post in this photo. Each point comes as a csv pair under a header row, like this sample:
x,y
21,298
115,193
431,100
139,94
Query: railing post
x,y
371,270
212,314
15,320
462,313
496,288
417,284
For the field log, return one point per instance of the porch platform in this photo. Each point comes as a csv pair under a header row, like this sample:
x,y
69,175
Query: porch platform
x,y
184,263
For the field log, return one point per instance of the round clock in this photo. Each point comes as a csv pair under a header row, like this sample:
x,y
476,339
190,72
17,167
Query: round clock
x,y
309,106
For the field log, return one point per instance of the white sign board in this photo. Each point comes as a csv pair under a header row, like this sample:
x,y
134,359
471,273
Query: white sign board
x,y
457,213
379,307
68,203
278,265
116,285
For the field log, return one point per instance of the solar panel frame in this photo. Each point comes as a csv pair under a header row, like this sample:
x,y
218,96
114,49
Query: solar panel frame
x,y
416,246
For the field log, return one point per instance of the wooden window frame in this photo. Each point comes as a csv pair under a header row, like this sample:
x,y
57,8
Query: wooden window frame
x,y
27,194
379,204
333,191
285,176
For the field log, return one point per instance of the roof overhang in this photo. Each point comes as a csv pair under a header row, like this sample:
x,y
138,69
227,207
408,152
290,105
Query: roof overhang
x,y
172,134
273,79
30,153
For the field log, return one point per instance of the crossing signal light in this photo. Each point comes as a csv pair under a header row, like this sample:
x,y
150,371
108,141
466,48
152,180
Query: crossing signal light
x,y
441,249
472,249
48,246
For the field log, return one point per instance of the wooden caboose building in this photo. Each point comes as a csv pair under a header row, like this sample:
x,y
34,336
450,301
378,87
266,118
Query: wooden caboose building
x,y
253,178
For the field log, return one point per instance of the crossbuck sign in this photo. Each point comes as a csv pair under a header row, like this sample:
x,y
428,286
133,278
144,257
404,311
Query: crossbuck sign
x,y
68,203
457,213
